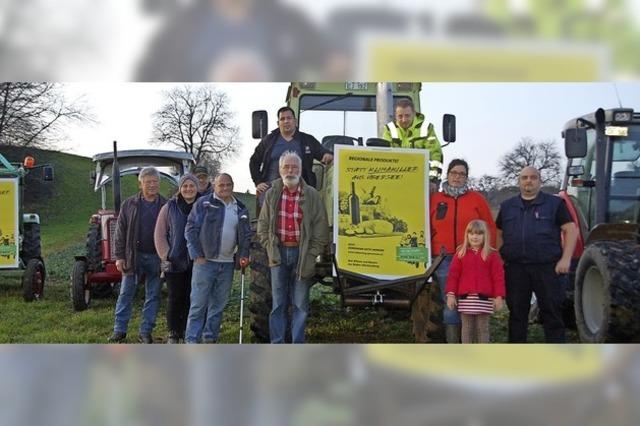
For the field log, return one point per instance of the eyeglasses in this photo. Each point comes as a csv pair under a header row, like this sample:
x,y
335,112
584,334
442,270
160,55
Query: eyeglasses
x,y
457,174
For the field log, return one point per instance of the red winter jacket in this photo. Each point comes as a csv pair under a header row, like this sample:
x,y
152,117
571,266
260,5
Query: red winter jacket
x,y
472,274
450,217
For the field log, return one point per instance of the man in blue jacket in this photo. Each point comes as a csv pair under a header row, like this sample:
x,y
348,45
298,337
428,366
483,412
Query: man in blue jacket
x,y
217,225
531,226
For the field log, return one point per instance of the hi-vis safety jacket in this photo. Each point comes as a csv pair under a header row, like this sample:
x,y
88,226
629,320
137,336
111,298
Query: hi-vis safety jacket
x,y
419,135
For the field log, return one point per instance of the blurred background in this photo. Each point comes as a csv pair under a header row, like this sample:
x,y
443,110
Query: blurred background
x,y
271,40
286,40
319,385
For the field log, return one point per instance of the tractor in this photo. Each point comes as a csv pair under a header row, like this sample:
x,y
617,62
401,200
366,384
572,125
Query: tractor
x,y
20,247
94,274
331,112
602,191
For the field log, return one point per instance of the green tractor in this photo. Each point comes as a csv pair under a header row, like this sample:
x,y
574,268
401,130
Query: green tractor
x,y
20,247
352,115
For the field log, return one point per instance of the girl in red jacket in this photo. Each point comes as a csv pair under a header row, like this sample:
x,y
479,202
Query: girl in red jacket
x,y
476,282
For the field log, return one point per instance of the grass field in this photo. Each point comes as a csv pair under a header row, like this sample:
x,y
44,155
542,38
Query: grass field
x,y
65,208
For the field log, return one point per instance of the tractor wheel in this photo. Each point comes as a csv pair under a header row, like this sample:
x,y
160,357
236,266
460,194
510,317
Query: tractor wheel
x,y
33,280
80,292
259,293
426,315
607,294
31,242
94,248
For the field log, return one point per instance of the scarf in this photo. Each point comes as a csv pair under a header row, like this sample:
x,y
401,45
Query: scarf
x,y
454,192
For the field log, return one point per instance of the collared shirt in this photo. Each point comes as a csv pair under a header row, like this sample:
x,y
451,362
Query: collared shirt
x,y
290,216
228,239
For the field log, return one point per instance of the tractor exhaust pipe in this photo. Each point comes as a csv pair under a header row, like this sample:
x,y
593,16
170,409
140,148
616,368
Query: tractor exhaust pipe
x,y
116,179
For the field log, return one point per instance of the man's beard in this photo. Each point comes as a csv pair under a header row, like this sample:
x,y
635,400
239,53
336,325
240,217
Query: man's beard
x,y
291,181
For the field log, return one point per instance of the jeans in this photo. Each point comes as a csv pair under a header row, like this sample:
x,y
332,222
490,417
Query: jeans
x,y
210,289
287,290
449,317
147,264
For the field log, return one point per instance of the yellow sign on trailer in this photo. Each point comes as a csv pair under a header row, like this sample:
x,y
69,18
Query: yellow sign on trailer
x,y
9,223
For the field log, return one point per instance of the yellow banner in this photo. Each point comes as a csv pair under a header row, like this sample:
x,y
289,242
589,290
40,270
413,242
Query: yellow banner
x,y
9,223
381,221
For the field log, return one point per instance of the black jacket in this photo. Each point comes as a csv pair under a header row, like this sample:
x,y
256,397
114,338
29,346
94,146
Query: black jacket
x,y
311,148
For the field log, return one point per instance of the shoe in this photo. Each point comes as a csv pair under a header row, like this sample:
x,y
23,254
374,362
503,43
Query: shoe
x,y
117,337
173,338
145,338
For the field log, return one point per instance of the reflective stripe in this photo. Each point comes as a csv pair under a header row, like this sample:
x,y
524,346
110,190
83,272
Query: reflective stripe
x,y
393,130
424,130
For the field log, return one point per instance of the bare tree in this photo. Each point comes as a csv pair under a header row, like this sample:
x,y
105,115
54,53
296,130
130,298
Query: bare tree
x,y
197,119
543,155
32,114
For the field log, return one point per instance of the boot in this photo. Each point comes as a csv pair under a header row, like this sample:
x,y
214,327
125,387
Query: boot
x,y
452,333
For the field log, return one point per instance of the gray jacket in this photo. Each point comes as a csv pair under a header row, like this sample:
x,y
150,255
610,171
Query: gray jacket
x,y
314,229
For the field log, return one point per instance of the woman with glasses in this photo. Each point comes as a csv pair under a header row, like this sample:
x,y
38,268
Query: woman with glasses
x,y
451,210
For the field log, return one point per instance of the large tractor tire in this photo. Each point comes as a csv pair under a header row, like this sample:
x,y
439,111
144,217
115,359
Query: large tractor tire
x,y
607,292
80,292
31,242
94,248
259,293
426,315
33,280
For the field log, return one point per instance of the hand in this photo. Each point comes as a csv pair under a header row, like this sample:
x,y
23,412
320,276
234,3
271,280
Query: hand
x,y
200,260
498,304
327,158
120,265
261,188
451,302
244,262
563,265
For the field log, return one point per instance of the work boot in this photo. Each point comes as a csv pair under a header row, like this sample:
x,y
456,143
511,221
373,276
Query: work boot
x,y
145,338
117,337
173,338
452,333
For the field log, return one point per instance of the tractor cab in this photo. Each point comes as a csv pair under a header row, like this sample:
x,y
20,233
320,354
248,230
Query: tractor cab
x,y
602,191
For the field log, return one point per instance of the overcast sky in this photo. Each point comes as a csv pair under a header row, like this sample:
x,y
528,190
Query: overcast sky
x,y
491,118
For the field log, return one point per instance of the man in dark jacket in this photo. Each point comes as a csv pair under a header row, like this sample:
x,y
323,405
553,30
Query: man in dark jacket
x,y
136,256
217,225
264,161
531,225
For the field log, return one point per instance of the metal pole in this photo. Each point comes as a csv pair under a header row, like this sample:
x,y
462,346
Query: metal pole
x,y
241,302
384,106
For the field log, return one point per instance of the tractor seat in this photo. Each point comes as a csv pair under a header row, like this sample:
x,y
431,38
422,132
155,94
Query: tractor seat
x,y
331,140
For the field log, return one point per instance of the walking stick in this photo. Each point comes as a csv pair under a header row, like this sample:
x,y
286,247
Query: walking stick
x,y
241,302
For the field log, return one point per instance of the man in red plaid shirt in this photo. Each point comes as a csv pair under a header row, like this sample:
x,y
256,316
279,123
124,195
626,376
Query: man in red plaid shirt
x,y
293,229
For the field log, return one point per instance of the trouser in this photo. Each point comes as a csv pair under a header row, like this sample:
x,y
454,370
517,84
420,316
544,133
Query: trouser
x,y
524,279
475,328
178,301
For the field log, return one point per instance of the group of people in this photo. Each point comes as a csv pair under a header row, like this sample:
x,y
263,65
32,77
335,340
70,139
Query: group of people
x,y
202,232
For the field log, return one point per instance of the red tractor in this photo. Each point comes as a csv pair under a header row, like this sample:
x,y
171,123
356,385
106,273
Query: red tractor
x,y
95,273
602,191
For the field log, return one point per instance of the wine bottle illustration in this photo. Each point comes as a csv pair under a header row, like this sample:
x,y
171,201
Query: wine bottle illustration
x,y
354,205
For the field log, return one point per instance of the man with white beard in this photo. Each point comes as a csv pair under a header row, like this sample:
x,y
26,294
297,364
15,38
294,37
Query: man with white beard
x,y
293,229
